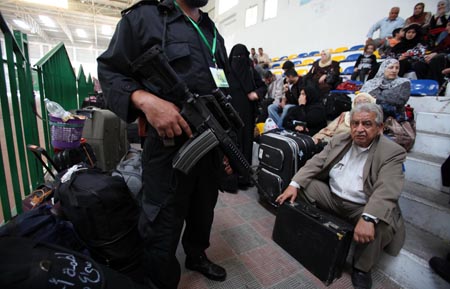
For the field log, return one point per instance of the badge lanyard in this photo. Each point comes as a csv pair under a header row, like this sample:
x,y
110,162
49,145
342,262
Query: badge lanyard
x,y
202,36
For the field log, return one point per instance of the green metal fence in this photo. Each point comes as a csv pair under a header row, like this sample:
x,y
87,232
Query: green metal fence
x,y
20,171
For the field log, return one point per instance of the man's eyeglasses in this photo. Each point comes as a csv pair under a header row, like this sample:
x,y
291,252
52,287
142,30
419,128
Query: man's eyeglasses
x,y
365,123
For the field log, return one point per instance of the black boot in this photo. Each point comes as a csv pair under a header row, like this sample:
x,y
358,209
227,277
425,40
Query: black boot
x,y
203,265
441,266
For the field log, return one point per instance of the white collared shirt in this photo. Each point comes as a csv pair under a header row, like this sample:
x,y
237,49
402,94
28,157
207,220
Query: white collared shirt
x,y
346,176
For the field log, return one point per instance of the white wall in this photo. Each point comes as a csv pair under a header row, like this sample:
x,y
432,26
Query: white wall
x,y
319,24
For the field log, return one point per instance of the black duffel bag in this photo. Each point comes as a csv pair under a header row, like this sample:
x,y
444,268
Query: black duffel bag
x,y
29,264
104,215
335,103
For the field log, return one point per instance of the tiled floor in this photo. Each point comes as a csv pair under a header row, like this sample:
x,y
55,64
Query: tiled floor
x,y
241,242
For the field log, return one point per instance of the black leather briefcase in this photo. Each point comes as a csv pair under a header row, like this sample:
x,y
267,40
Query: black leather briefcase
x,y
318,240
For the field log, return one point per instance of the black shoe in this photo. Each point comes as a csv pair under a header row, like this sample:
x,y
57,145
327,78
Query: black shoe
x,y
441,266
203,265
361,280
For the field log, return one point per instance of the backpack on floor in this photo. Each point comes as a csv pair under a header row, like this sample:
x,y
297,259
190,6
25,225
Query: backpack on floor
x,y
104,215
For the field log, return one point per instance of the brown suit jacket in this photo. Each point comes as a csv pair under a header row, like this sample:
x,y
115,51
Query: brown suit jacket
x,y
383,179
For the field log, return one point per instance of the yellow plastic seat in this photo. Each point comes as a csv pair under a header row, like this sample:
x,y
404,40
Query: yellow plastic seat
x,y
338,58
377,54
292,56
340,49
308,61
277,72
302,72
275,59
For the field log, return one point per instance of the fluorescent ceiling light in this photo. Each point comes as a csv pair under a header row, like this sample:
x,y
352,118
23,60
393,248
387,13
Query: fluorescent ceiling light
x,y
81,33
22,24
107,30
47,21
54,3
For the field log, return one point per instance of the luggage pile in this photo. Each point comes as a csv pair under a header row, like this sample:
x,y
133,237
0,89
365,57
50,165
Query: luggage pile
x,y
82,212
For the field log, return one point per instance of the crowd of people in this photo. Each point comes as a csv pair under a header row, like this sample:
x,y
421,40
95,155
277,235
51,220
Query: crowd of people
x,y
355,140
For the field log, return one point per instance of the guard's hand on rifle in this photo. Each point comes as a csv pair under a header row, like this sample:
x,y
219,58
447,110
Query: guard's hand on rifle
x,y
227,166
164,116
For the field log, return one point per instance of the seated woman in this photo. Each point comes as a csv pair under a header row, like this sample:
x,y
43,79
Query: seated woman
x,y
435,61
391,92
341,124
409,50
309,115
419,16
324,73
438,22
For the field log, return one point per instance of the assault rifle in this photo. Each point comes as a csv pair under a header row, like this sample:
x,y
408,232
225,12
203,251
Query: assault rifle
x,y
212,116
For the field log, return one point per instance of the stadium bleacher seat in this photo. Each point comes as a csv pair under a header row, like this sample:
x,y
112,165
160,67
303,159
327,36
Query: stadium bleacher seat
x,y
340,49
377,54
307,61
302,55
356,47
348,70
422,87
302,72
338,58
292,56
277,72
275,65
275,59
352,57
283,58
297,62
312,53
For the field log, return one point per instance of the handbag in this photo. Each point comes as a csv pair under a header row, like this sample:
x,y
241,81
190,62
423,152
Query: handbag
x,y
403,133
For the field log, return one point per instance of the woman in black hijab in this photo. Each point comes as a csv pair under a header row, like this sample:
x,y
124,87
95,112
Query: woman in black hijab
x,y
410,49
246,90
309,115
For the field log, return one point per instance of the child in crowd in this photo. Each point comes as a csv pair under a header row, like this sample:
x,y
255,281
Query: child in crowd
x,y
364,63
397,36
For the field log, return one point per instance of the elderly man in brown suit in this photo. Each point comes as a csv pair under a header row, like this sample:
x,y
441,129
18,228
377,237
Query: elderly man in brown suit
x,y
359,177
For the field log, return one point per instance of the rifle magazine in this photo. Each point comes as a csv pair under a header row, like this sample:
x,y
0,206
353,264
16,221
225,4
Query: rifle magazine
x,y
193,150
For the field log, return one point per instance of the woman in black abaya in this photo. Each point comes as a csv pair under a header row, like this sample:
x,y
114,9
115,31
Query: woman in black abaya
x,y
246,92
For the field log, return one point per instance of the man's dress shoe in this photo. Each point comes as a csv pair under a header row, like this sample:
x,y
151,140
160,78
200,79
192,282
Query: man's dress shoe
x,y
361,280
203,265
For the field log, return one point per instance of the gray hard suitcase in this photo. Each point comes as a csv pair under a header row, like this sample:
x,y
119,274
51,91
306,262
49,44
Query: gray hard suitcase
x,y
107,135
281,154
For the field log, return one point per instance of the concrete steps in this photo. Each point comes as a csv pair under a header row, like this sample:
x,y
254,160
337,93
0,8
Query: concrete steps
x,y
424,201
428,209
410,268
424,169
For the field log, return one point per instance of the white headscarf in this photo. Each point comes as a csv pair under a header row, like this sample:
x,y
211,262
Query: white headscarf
x,y
380,81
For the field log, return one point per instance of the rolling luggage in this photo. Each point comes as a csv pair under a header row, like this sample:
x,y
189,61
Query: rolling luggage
x,y
106,133
318,240
281,154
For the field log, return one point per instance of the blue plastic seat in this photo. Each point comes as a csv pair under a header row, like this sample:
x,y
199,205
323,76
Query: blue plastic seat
x,y
352,57
356,47
348,70
423,87
312,53
283,58
297,62
302,55
275,65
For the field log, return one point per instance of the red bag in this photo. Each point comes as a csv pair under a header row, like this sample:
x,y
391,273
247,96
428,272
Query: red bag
x,y
349,85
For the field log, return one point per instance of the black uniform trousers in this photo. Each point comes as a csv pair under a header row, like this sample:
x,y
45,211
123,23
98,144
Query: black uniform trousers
x,y
170,198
